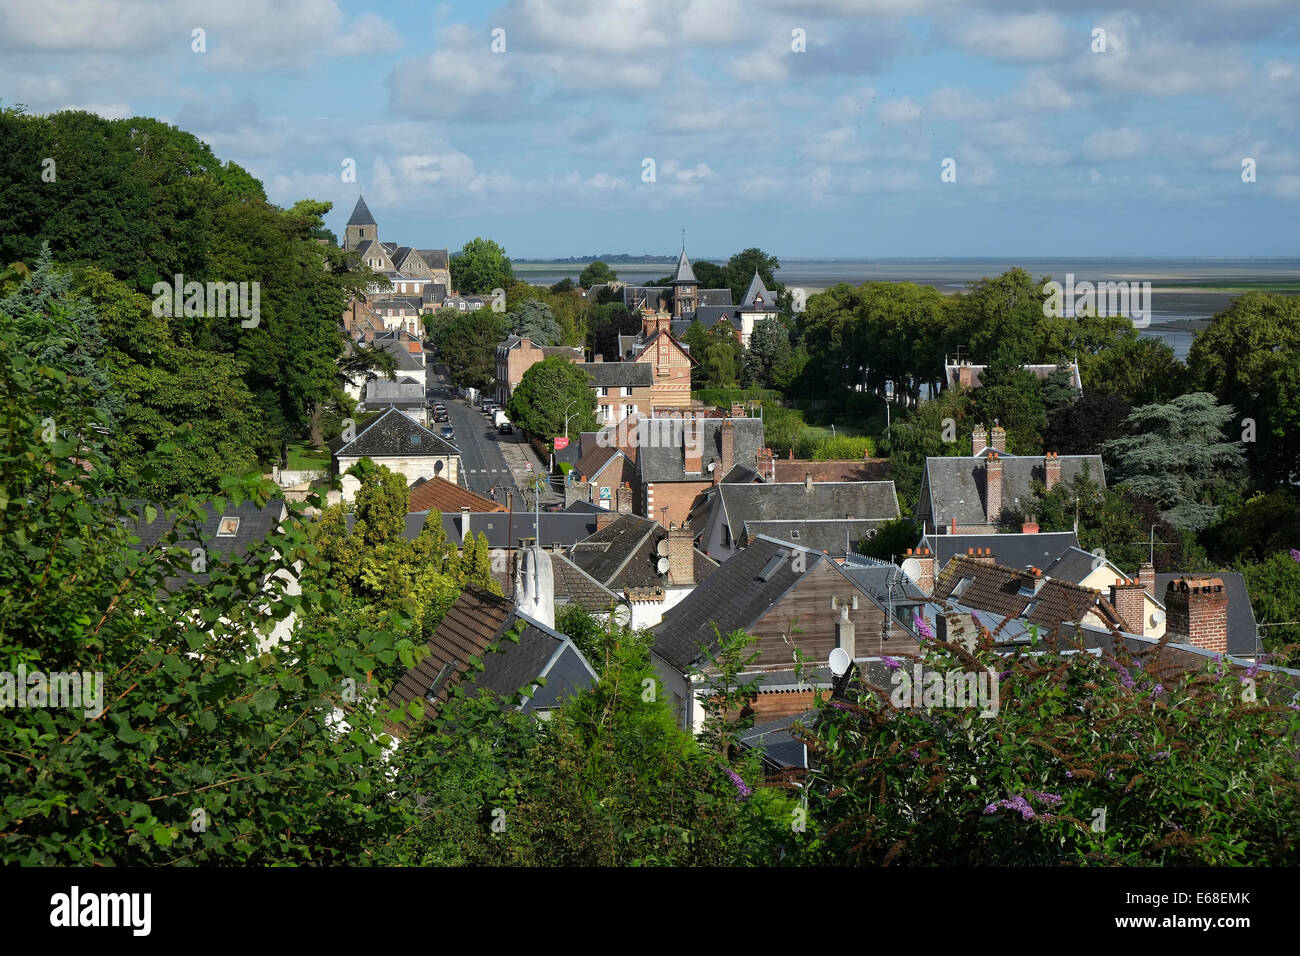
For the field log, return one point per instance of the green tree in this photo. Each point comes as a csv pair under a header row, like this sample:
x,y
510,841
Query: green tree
x,y
564,285
466,342
1249,357
769,351
536,320
480,267
1013,397
1141,370
546,390
1176,455
891,540
1083,426
740,270
596,273
1274,586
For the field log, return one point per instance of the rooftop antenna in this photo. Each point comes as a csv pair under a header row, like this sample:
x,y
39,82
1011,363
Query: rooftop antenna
x,y
683,238
1151,552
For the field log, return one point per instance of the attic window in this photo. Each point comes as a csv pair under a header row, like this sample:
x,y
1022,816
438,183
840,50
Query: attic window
x,y
228,528
773,563
961,587
440,681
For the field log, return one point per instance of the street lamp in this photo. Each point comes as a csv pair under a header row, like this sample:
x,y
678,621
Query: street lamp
x,y
566,416
889,397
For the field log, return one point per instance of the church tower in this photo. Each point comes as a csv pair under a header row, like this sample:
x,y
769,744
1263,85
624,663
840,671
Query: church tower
x,y
361,227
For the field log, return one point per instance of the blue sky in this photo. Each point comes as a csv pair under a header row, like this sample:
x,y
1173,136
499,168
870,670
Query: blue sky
x,y
832,150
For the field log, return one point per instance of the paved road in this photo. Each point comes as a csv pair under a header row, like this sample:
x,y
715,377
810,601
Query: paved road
x,y
484,453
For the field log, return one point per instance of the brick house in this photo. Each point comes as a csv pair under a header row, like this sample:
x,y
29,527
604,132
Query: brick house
x,y
516,355
678,459
622,389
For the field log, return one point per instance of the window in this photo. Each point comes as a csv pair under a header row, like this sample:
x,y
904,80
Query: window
x,y
440,681
627,391
228,528
605,412
604,391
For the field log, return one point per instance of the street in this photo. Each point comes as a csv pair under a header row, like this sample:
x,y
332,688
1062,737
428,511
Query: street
x,y
487,458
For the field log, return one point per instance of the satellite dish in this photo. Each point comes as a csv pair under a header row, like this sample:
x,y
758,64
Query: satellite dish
x,y
712,465
1157,617
662,547
623,615
663,565
912,568
840,661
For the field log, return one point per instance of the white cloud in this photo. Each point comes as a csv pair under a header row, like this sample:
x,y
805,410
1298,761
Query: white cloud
x,y
369,33
1123,143
1016,38
900,112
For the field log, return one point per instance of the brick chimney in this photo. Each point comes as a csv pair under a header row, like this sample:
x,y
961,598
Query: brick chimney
x,y
925,558
1147,575
965,375
1129,600
623,499
999,439
979,439
605,518
728,445
681,555
464,525
982,555
993,488
766,464
1030,526
1051,470
1197,610
846,633
693,446
737,410
525,343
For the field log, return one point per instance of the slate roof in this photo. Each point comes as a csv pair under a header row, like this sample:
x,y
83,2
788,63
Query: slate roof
x,y
835,536
575,586
590,465
854,469
876,578
254,526
661,455
716,297
954,487
361,214
477,620
791,506
504,530
624,554
381,391
434,258
756,288
439,494
1073,564
775,740
741,475
1013,550
684,274
1243,629
733,597
392,434
619,374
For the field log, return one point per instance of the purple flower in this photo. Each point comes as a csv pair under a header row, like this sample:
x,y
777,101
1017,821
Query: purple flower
x,y
922,627
1051,799
1158,689
1110,774
1017,803
1003,675
739,781
1069,774
914,753
1295,554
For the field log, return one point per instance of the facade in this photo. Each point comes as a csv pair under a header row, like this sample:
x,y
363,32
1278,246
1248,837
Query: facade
x,y
516,355
401,445
678,459
622,389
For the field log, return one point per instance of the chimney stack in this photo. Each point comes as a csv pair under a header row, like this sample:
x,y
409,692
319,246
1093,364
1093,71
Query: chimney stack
x,y
965,375
737,410
535,585
1051,470
1147,575
982,555
808,482
925,558
1129,600
979,439
693,446
1030,526
604,519
993,488
999,439
681,555
1197,612
623,498
845,633
728,445
464,525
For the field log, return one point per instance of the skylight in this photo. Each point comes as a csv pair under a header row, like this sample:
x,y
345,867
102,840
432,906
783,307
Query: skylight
x,y
228,528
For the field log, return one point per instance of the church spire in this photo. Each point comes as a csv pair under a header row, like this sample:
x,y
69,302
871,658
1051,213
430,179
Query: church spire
x,y
361,214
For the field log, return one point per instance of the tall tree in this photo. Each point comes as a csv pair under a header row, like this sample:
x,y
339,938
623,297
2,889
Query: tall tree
x,y
596,273
480,267
546,392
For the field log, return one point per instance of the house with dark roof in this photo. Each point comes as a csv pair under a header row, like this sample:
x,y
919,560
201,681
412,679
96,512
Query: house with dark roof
x,y
679,458
605,477
621,388
517,354
978,493
361,235
829,516
650,568
398,443
966,375
539,664
405,394
787,597
1030,549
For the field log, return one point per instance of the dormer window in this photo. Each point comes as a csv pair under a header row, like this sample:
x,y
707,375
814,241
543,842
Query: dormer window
x,y
228,528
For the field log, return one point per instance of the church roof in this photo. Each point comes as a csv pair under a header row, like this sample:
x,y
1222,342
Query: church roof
x,y
361,214
684,273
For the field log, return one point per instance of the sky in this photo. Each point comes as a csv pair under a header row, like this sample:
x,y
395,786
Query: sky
x,y
808,128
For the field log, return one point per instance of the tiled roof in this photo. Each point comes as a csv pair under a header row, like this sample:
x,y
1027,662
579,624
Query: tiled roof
x,y
882,580
479,619
590,464
856,469
392,434
434,258
439,494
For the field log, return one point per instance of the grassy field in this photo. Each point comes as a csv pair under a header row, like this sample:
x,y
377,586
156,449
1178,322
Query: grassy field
x,y
302,457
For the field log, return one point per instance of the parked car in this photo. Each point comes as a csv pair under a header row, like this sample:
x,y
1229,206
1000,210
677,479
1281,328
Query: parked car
x,y
505,428
448,433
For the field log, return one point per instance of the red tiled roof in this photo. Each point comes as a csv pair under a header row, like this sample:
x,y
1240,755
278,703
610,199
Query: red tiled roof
x,y
439,494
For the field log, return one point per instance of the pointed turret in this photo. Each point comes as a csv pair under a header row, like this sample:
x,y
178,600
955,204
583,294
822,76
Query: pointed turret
x,y
361,226
755,290
361,214
684,275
